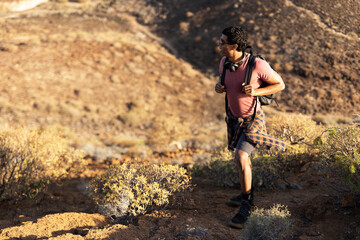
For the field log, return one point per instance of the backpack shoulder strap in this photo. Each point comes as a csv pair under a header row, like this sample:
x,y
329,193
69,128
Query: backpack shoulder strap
x,y
222,78
249,69
222,81
248,74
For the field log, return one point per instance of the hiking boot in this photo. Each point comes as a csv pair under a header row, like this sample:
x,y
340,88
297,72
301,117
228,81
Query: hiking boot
x,y
236,201
243,214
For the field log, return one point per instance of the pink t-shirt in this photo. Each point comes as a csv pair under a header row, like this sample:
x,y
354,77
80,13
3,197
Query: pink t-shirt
x,y
240,104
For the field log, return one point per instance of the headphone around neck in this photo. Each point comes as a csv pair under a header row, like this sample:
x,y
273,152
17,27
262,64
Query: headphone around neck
x,y
231,66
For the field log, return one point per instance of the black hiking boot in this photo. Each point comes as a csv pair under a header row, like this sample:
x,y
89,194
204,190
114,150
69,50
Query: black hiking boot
x,y
236,201
243,214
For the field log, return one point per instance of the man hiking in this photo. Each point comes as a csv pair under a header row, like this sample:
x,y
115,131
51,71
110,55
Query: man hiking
x,y
245,117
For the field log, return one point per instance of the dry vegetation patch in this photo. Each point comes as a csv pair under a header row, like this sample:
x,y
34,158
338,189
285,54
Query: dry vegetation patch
x,y
133,188
340,150
31,159
268,224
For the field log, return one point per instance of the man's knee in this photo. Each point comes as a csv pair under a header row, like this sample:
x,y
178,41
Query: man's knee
x,y
242,159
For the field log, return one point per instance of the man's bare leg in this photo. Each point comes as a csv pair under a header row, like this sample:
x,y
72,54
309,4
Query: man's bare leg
x,y
242,160
243,163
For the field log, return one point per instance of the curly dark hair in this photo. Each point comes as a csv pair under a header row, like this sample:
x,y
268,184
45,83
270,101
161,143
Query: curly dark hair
x,y
236,35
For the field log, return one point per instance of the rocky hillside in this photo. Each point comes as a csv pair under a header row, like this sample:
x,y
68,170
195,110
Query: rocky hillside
x,y
104,76
143,71
313,44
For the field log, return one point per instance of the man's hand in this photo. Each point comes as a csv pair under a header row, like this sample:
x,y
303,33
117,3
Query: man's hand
x,y
219,88
248,90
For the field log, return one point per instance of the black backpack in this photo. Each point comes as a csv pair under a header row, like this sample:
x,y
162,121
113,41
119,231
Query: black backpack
x,y
265,99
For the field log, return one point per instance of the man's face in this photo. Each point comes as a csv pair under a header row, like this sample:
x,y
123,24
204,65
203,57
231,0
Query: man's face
x,y
225,48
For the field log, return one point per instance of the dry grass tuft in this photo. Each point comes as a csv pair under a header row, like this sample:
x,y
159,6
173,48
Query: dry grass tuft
x,y
269,224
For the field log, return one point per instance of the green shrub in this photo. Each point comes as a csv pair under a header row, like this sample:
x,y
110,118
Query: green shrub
x,y
133,188
31,158
340,149
270,224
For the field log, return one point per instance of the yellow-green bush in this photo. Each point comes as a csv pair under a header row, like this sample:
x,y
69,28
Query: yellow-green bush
x,y
340,149
31,158
269,224
132,188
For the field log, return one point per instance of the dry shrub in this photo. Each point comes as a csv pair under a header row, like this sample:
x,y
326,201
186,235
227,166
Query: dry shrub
x,y
166,129
133,188
81,1
136,115
267,169
340,149
9,47
221,169
294,128
124,141
270,224
269,166
31,158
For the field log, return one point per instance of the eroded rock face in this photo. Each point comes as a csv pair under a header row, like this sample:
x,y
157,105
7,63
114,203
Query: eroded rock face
x,y
19,5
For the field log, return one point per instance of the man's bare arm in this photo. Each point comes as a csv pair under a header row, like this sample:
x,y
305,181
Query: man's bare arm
x,y
276,84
